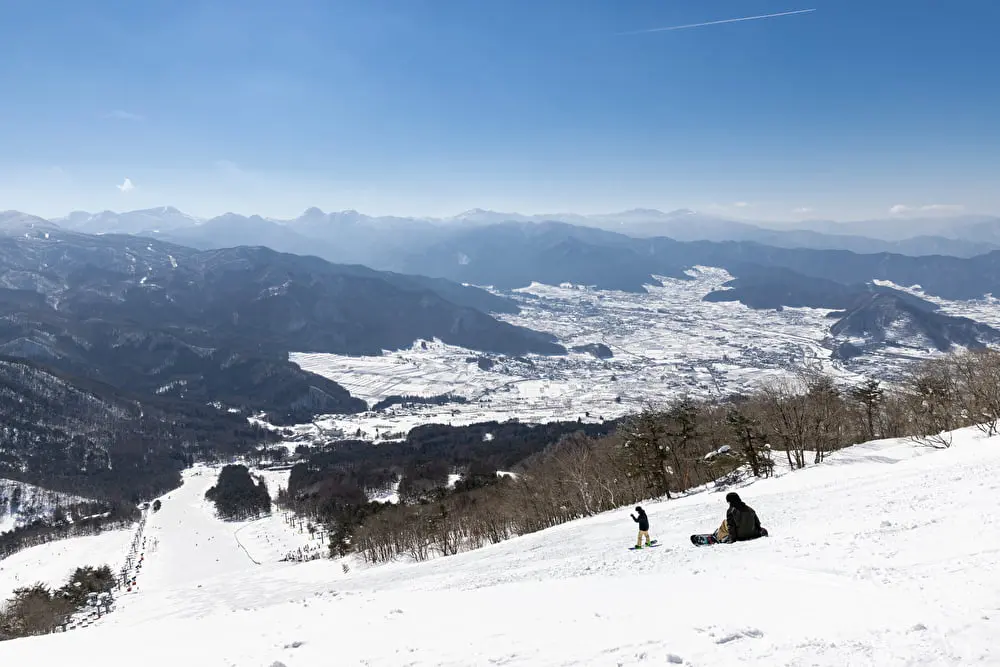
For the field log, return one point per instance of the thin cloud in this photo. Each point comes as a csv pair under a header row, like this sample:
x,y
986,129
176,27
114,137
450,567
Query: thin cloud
x,y
119,114
733,206
903,209
229,168
803,209
126,186
720,22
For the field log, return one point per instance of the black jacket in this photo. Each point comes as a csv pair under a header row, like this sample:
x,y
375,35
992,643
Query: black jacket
x,y
743,523
642,520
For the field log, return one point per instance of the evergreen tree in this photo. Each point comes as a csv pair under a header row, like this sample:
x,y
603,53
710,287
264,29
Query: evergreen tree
x,y
870,396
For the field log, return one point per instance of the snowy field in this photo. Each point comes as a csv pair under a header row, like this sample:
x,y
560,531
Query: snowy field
x,y
666,342
885,555
53,563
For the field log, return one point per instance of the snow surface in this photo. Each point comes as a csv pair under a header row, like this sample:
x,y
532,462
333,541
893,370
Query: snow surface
x,y
54,562
884,555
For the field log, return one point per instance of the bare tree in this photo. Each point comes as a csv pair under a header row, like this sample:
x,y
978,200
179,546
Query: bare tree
x,y
785,416
826,415
977,374
932,404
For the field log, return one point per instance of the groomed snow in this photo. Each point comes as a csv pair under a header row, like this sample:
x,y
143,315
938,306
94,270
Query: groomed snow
x,y
885,555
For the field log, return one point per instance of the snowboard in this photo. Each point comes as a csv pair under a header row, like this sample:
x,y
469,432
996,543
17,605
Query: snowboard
x,y
652,544
710,538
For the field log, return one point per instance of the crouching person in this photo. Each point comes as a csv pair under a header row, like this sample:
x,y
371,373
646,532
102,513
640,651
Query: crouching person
x,y
741,522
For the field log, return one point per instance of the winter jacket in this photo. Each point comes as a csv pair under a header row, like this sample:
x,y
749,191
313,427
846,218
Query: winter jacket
x,y
743,523
642,520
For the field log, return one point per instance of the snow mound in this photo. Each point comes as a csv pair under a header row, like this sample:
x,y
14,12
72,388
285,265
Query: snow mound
x,y
884,555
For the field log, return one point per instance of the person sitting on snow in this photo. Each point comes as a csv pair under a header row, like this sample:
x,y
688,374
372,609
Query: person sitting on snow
x,y
741,522
643,522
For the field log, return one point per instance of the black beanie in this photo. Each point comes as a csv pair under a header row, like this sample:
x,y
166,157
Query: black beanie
x,y
638,509
733,498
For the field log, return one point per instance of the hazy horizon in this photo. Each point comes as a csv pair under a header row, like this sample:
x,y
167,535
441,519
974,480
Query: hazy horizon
x,y
900,217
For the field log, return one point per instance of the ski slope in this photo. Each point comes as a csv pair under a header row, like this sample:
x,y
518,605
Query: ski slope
x,y
885,555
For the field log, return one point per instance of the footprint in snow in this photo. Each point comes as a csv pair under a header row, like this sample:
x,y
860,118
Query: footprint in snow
x,y
752,633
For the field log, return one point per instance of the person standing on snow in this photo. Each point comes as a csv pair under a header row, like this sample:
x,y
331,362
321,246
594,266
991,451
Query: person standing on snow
x,y
643,522
741,521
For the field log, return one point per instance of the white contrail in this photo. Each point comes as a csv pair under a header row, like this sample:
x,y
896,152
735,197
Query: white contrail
x,y
699,25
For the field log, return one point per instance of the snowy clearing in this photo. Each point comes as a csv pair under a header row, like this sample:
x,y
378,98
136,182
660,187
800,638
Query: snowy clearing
x,y
884,555
53,563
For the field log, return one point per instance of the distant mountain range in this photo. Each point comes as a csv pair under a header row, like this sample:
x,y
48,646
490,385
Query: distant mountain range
x,y
267,302
350,236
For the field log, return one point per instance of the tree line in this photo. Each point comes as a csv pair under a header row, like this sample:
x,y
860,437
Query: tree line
x,y
332,485
74,521
38,609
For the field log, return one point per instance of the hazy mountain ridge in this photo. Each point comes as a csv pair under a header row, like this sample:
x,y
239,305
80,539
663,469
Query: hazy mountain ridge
x,y
510,251
350,236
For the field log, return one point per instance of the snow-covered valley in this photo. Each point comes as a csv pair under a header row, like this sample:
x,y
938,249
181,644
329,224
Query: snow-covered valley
x,y
665,342
883,555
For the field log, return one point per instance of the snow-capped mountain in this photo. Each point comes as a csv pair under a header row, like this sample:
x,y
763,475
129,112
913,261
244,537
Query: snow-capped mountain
x,y
164,218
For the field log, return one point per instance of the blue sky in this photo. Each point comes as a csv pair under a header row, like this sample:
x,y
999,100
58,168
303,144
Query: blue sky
x,y
430,107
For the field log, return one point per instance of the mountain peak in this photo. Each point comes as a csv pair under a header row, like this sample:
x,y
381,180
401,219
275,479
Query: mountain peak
x,y
313,212
475,213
